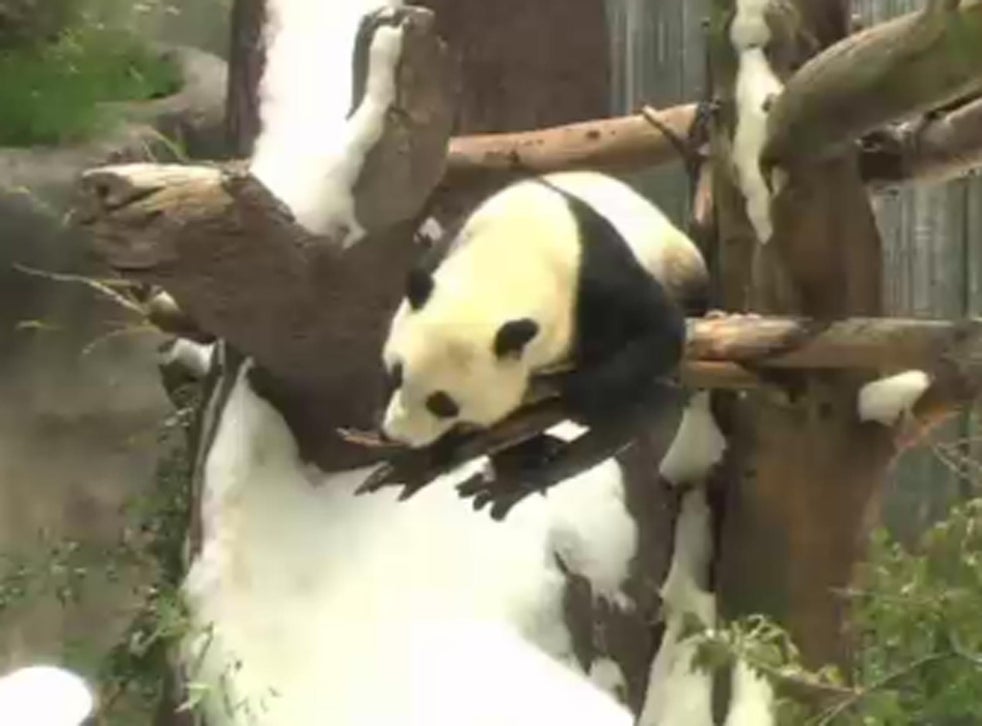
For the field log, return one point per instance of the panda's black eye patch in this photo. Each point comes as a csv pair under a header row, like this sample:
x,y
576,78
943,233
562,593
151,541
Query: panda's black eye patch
x,y
442,405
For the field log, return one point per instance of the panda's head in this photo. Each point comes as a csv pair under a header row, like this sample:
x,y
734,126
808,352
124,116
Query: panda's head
x,y
450,363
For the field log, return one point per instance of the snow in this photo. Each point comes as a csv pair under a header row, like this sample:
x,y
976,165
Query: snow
x,y
316,606
308,153
751,699
688,572
44,696
192,356
755,84
677,694
749,27
887,399
607,675
698,444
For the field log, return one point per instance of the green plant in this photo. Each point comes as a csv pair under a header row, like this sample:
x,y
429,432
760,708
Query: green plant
x,y
57,92
918,631
919,628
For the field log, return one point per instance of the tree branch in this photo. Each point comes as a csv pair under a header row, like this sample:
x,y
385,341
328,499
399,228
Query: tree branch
x,y
236,262
891,71
942,147
855,343
938,149
626,142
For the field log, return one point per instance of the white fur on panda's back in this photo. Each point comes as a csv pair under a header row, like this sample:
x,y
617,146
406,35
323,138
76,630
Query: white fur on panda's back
x,y
648,232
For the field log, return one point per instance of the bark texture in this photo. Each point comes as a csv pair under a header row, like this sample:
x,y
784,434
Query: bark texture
x,y
802,471
899,68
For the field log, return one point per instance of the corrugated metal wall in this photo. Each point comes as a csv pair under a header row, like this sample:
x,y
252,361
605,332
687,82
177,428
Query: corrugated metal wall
x,y
931,235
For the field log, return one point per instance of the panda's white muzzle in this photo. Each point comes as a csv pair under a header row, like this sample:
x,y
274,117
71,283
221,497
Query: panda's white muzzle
x,y
417,430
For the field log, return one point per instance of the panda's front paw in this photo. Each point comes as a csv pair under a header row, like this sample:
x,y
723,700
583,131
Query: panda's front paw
x,y
513,474
500,492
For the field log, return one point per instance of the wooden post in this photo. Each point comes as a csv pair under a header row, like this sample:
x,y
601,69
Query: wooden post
x,y
803,473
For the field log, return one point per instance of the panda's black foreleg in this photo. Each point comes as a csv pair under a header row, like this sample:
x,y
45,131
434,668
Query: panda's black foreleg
x,y
634,377
545,461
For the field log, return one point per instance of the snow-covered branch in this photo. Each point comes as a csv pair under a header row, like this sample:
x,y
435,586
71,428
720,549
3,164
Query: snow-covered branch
x,y
299,256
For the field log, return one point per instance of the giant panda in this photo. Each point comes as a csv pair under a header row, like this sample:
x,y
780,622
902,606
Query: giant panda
x,y
567,268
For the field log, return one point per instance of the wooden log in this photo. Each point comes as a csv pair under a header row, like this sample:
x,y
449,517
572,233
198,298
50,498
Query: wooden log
x,y
235,261
870,344
939,148
612,144
801,471
888,72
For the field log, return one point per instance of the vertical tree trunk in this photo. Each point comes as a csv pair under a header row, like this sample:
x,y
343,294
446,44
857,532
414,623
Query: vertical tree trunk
x,y
803,474
246,62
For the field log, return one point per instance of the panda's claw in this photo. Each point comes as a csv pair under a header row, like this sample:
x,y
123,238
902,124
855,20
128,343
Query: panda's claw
x,y
501,493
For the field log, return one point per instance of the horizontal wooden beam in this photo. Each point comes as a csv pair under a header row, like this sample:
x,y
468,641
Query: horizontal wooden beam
x,y
610,144
941,147
854,343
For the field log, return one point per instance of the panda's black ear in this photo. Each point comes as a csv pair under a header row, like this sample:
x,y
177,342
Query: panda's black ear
x,y
419,286
513,336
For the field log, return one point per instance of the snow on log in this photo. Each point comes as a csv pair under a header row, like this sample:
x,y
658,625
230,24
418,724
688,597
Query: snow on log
x,y
756,87
887,399
190,356
310,151
312,605
697,447
688,575
237,263
680,694
751,699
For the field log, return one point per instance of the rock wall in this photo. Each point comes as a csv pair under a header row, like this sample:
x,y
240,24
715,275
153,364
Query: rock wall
x,y
80,411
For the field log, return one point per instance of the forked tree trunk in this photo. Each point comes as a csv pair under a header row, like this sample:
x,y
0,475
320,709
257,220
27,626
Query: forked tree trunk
x,y
804,473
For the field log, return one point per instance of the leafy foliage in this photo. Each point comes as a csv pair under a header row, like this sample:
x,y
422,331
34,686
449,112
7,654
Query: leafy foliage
x,y
918,630
919,626
56,91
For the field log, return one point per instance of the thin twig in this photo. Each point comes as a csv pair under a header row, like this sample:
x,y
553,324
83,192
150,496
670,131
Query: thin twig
x,y
899,674
103,287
